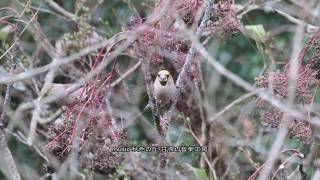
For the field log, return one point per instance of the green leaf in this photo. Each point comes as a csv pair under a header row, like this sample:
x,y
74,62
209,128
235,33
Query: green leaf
x,y
199,172
4,32
120,170
256,32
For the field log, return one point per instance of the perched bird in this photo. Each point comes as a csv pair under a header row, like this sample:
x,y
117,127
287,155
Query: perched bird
x,y
164,88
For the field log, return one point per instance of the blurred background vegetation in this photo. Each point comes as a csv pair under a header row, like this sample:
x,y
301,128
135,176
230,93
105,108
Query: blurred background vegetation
x,y
241,54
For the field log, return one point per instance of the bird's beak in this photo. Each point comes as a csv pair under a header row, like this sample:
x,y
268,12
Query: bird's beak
x,y
163,80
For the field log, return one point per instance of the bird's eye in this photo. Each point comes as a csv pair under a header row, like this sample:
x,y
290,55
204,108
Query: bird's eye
x,y
159,75
167,75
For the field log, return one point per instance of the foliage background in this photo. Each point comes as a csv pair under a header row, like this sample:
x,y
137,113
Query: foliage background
x,y
241,54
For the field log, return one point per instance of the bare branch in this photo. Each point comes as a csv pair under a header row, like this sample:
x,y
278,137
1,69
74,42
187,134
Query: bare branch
x,y
126,74
187,64
60,10
235,102
8,166
66,60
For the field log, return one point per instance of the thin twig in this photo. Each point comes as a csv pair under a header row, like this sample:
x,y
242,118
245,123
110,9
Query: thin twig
x,y
20,33
124,75
205,156
294,67
8,166
275,101
60,10
104,43
187,64
235,102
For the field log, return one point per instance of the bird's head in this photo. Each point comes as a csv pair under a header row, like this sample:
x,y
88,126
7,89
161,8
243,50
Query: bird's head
x,y
163,77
